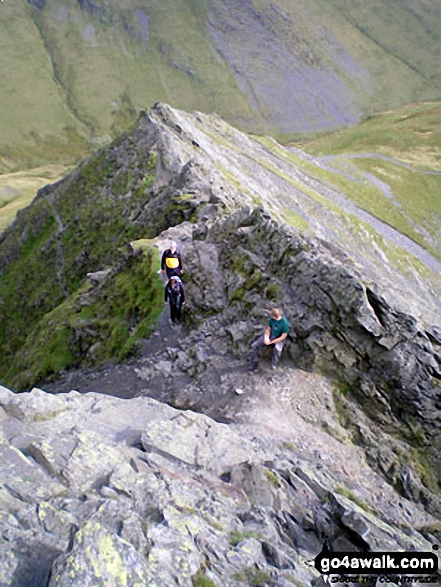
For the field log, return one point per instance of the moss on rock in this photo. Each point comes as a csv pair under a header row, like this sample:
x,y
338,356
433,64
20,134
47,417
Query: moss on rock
x,y
97,323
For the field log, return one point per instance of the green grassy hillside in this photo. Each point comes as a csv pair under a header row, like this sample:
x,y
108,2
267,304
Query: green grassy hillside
x,y
78,72
97,323
411,135
77,77
390,165
50,316
18,189
64,239
38,127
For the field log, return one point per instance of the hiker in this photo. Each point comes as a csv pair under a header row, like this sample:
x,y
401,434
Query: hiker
x,y
275,334
171,261
175,296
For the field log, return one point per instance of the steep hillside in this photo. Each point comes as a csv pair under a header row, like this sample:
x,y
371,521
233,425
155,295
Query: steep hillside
x,y
258,225
18,189
398,154
347,450
411,135
172,167
78,72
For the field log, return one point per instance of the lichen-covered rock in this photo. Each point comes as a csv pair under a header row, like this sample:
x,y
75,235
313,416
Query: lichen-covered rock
x,y
133,492
24,480
99,557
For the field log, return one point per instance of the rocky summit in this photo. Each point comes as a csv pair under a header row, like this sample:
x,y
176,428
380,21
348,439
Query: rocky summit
x,y
147,454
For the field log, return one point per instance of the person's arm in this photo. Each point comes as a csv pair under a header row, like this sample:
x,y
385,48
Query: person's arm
x,y
182,294
165,294
180,263
266,339
281,337
164,255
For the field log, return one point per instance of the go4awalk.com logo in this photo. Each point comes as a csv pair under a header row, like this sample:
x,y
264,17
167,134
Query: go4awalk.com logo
x,y
415,566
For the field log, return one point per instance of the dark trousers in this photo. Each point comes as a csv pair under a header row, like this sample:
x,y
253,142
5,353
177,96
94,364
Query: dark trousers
x,y
172,272
257,345
175,312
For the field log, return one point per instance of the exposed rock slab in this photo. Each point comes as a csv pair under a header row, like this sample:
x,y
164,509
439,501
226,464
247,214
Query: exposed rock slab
x,y
102,509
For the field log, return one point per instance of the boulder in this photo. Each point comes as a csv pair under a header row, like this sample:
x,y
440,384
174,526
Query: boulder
x,y
97,556
193,439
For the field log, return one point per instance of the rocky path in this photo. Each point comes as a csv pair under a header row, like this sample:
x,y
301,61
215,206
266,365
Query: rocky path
x,y
288,407
297,409
293,411
122,379
225,390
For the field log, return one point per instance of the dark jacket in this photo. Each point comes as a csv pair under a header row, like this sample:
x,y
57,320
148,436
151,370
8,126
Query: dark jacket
x,y
174,294
171,262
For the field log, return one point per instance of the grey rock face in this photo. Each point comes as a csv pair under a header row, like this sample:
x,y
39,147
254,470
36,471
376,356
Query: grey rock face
x,y
340,326
87,505
195,441
98,277
296,72
135,490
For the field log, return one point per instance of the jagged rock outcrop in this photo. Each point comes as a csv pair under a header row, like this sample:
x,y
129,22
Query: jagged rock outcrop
x,y
133,492
339,324
377,355
368,325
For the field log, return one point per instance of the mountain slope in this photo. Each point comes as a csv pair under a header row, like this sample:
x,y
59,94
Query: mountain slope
x,y
411,134
398,154
78,72
256,230
172,167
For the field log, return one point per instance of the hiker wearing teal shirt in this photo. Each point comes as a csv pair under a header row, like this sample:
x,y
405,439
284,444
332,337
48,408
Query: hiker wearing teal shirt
x,y
275,334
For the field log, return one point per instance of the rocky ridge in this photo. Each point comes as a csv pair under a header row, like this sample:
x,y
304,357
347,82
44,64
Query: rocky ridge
x,y
378,408
171,167
377,356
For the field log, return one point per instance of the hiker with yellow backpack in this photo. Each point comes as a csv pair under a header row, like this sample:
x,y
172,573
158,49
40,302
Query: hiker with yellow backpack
x,y
171,263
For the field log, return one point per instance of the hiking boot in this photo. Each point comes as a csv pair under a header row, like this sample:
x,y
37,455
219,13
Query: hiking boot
x,y
253,369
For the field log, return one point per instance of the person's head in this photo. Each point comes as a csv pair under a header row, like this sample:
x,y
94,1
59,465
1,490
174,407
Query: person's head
x,y
174,280
276,313
173,246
